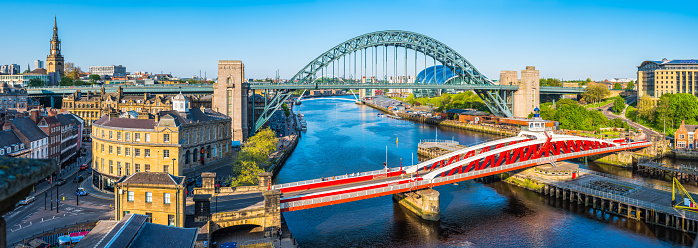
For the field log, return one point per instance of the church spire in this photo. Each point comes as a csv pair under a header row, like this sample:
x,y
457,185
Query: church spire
x,y
55,28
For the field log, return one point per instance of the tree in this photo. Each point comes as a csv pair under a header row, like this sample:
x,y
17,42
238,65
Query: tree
x,y
595,93
646,107
617,86
95,77
685,107
618,105
664,114
287,112
630,86
253,158
35,82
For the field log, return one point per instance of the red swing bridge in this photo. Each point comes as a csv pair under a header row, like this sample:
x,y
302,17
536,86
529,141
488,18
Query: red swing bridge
x,y
533,146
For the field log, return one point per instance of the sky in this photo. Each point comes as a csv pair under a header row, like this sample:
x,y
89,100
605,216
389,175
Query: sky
x,y
563,39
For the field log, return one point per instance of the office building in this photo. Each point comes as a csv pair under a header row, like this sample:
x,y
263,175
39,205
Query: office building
x,y
655,78
108,71
39,64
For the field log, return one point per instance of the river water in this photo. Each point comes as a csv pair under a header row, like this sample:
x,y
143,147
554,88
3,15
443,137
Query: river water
x,y
343,137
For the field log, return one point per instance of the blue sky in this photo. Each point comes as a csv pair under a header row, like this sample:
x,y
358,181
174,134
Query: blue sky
x,y
563,39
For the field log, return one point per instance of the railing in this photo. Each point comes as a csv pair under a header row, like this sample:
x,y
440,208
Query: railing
x,y
333,178
439,141
627,200
416,184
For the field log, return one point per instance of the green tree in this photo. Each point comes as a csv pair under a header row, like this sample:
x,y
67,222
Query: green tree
x,y
617,86
253,158
618,105
630,86
646,107
287,112
67,81
595,93
685,107
95,77
246,174
664,114
36,82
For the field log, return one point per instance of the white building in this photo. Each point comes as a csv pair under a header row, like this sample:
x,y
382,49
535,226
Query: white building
x,y
109,70
39,64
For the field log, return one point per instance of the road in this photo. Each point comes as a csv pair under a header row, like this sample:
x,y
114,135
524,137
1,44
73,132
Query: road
x,y
629,100
234,202
33,219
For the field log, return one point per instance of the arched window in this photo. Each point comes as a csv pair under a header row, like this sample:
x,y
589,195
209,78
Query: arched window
x,y
186,157
208,151
196,152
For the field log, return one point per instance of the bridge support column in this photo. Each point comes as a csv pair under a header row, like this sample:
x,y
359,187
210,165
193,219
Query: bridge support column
x,y
424,203
52,102
272,212
264,179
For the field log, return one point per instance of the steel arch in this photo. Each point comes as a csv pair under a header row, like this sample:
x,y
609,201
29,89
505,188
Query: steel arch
x,y
494,99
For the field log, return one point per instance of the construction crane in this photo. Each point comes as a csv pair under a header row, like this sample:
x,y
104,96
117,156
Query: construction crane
x,y
687,202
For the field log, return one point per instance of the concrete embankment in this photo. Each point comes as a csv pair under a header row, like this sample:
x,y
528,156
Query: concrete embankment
x,y
447,123
625,197
423,203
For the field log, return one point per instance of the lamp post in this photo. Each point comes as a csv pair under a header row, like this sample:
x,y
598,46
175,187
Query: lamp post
x,y
77,195
173,160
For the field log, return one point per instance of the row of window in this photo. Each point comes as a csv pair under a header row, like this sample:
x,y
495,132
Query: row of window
x,y
136,136
130,196
136,151
126,170
149,218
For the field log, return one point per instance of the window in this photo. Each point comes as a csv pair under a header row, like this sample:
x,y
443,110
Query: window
x,y
166,138
137,152
148,196
125,213
118,168
118,135
680,136
102,147
128,169
149,218
110,135
129,196
147,137
137,136
102,133
167,198
137,167
146,152
147,168
202,135
102,170
110,150
127,136
166,153
127,151
118,150
166,168
111,167
171,220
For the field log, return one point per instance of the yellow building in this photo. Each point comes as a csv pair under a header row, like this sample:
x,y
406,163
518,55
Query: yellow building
x,y
157,195
175,142
655,78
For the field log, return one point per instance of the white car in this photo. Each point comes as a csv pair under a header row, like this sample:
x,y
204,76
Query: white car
x,y
27,200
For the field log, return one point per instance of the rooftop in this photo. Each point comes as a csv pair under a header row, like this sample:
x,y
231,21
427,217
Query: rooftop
x,y
166,118
28,128
152,178
133,231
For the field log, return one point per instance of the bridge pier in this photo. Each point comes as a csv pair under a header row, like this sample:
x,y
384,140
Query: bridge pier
x,y
424,203
272,212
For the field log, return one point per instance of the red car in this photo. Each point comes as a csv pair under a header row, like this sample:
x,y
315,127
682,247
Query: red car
x,y
83,167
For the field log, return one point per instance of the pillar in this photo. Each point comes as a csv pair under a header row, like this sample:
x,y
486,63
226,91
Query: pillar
x,y
208,183
264,180
527,97
424,203
272,212
202,207
230,97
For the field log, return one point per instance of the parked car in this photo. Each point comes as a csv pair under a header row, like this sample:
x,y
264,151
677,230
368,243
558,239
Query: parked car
x,y
81,192
190,181
78,179
60,181
27,200
83,167
229,245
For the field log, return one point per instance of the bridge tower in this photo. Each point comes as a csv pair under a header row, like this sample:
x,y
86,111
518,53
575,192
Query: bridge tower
x,y
230,96
527,97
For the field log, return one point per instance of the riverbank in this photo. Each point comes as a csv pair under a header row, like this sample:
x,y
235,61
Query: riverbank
x,y
489,129
623,197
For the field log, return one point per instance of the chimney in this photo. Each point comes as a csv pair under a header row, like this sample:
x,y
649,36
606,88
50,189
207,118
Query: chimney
x,y
113,114
157,117
34,116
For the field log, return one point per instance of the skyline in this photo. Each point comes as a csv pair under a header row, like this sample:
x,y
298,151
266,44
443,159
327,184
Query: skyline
x,y
567,40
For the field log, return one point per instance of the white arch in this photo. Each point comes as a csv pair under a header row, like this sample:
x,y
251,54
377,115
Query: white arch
x,y
433,174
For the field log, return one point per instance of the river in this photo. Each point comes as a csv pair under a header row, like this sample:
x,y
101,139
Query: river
x,y
343,137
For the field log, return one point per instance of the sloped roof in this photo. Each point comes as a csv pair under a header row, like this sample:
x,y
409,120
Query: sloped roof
x,y
8,138
152,178
164,236
28,128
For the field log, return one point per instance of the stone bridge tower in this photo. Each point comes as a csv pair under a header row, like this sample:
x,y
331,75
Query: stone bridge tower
x,y
230,96
527,98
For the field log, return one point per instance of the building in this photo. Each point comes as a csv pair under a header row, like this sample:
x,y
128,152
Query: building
x,y
55,61
135,231
108,71
685,137
39,64
166,141
10,69
23,79
12,146
228,95
71,137
32,136
527,97
654,78
52,127
157,195
93,105
14,97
